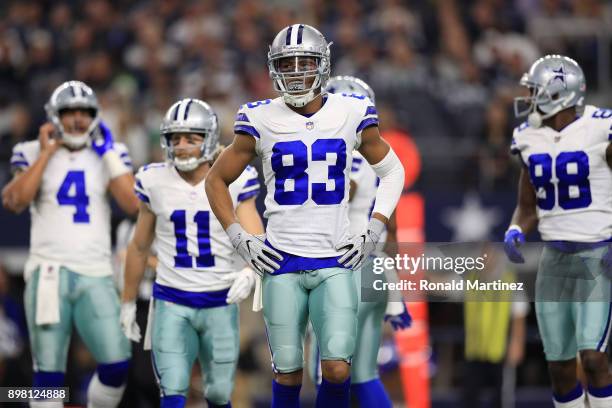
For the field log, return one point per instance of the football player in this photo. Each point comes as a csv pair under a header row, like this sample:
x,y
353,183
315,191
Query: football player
x,y
64,178
565,189
199,281
365,383
306,139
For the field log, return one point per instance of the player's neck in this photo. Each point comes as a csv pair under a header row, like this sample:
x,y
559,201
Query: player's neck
x,y
196,176
561,119
311,107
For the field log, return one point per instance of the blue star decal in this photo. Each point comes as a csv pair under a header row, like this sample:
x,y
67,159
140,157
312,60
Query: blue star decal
x,y
559,75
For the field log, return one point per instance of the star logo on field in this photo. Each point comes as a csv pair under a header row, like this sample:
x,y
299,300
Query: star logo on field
x,y
471,221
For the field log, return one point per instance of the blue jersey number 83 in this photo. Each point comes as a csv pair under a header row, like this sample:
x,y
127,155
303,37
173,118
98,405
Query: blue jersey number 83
x,y
294,170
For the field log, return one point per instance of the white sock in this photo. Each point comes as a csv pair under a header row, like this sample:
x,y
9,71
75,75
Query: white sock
x,y
597,402
575,403
46,404
103,396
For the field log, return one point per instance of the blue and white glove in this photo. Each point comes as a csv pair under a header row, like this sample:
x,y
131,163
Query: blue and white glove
x,y
512,240
104,142
103,145
397,314
359,247
253,249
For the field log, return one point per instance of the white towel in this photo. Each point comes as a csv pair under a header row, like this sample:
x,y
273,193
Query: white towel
x,y
149,329
47,294
258,295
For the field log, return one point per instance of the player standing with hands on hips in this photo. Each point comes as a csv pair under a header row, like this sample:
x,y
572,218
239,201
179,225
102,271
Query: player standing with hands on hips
x,y
565,189
64,178
305,139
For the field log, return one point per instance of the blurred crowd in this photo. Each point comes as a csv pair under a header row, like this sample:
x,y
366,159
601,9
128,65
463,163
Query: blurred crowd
x,y
447,69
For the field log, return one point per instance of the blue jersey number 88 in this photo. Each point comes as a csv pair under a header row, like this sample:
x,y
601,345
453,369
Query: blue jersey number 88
x,y
578,178
295,170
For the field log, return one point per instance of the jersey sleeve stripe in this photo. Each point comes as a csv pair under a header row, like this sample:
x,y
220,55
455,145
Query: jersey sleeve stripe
x,y
242,117
371,111
19,163
367,123
20,155
251,182
247,195
142,197
249,130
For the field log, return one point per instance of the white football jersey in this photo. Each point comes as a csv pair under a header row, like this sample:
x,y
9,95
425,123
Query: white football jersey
x,y
306,163
571,177
70,216
193,249
362,204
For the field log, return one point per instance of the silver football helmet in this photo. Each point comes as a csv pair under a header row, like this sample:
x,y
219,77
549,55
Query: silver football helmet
x,y
350,85
556,83
190,116
73,95
298,41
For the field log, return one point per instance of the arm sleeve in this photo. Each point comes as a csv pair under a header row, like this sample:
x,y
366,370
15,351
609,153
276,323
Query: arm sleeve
x,y
19,159
124,155
391,174
243,124
250,186
369,118
140,187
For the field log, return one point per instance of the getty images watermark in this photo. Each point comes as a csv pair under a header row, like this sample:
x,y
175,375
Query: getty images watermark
x,y
405,263
448,272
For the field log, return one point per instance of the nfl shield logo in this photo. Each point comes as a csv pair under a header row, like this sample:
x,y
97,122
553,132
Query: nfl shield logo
x,y
309,125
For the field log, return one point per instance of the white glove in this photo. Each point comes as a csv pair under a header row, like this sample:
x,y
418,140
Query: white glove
x,y
359,248
128,321
242,283
253,249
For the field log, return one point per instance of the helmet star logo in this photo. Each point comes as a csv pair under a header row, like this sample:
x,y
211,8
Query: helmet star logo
x,y
559,75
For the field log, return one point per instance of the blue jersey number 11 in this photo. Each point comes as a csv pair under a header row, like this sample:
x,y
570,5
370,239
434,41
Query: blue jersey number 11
x,y
182,258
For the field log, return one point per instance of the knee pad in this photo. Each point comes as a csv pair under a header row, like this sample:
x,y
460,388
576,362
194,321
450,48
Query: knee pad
x,y
339,346
103,396
287,360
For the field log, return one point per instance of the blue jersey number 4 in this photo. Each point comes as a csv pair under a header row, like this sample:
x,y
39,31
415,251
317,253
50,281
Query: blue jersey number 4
x,y
572,170
182,258
76,197
290,162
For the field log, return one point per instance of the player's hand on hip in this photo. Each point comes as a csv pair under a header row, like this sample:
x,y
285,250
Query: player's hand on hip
x,y
512,241
397,314
48,143
103,141
360,247
127,318
242,284
254,250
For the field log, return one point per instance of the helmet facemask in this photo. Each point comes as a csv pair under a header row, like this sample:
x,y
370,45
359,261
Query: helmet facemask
x,y
299,78
190,163
555,83
69,96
